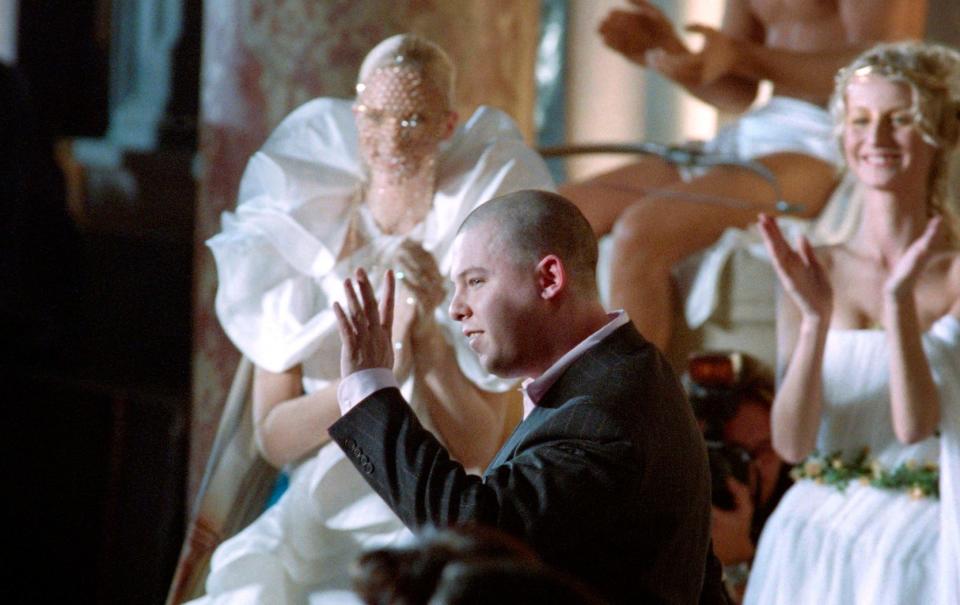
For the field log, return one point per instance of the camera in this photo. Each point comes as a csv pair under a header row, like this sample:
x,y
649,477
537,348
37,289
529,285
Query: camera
x,y
716,384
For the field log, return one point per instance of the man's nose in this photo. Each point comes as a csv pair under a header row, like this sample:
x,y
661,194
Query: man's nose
x,y
458,310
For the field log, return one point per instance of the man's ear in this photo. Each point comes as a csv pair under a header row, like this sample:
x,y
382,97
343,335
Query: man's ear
x,y
551,276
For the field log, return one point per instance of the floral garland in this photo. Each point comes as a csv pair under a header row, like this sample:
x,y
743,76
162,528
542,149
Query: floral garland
x,y
919,480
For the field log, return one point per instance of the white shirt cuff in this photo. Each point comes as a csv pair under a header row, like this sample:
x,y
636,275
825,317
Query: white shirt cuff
x,y
361,384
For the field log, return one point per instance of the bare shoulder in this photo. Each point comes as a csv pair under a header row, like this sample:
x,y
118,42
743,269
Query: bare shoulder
x,y
868,21
799,24
953,281
951,262
939,286
773,11
822,25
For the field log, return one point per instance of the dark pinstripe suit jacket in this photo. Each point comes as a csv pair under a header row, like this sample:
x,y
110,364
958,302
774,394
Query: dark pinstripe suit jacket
x,y
607,478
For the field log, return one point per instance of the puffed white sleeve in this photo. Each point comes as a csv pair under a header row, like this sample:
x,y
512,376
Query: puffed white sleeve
x,y
275,254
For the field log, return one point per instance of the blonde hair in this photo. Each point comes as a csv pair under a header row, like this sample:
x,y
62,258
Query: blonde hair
x,y
411,49
932,72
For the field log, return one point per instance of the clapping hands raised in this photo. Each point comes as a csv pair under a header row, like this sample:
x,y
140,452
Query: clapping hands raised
x,y
646,37
801,274
419,291
634,33
378,334
903,276
421,279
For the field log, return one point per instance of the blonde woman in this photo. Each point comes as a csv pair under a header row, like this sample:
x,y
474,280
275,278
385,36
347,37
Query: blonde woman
x,y
868,401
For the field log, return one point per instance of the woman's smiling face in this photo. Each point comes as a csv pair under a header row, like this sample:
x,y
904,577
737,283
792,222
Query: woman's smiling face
x,y
881,142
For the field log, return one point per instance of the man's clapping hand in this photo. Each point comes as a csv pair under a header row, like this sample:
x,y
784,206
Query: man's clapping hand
x,y
365,327
633,33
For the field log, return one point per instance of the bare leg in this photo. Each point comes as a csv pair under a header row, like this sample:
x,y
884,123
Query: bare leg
x,y
603,198
656,232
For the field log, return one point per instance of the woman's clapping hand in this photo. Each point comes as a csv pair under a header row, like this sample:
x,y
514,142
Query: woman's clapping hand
x,y
801,274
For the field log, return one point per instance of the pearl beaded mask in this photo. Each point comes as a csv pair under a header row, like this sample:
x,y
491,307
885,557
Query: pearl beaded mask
x,y
401,119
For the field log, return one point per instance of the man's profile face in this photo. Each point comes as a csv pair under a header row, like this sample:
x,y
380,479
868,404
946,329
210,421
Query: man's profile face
x,y
497,302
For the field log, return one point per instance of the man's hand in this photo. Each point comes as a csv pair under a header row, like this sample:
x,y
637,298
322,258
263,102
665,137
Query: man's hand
x,y
634,33
365,331
695,70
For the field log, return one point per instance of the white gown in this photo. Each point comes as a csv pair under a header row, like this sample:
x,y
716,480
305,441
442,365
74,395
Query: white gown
x,y
869,546
279,272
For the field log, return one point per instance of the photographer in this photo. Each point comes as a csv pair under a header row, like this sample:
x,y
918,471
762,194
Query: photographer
x,y
731,399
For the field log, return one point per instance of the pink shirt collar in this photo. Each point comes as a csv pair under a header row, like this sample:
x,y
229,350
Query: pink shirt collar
x,y
535,389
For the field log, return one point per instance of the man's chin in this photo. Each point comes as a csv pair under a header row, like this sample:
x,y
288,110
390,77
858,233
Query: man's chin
x,y
500,369
490,365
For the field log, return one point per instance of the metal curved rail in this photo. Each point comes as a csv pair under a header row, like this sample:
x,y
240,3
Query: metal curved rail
x,y
684,155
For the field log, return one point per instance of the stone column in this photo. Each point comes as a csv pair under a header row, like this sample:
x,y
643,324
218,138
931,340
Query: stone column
x,y
263,58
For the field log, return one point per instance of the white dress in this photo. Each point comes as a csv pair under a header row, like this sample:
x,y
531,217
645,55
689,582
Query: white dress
x,y
279,272
866,545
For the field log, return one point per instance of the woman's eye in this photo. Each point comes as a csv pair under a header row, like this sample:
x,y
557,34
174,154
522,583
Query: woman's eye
x,y
474,281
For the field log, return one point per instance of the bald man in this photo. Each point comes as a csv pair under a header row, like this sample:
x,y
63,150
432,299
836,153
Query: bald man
x,y
606,477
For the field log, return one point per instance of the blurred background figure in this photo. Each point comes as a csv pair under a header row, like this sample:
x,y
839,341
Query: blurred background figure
x,y
658,214
39,244
731,397
462,566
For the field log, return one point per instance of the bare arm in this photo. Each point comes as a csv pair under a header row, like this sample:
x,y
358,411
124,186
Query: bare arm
x,y
732,91
914,399
287,423
804,311
471,420
808,74
798,405
646,37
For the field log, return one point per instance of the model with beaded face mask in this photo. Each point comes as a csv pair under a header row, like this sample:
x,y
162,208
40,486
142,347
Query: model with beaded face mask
x,y
403,111
380,181
868,402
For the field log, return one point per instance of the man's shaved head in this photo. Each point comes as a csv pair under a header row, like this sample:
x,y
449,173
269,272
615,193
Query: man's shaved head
x,y
530,224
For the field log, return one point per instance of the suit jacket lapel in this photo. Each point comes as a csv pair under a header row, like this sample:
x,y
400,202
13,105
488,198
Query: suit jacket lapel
x,y
583,374
576,379
506,450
